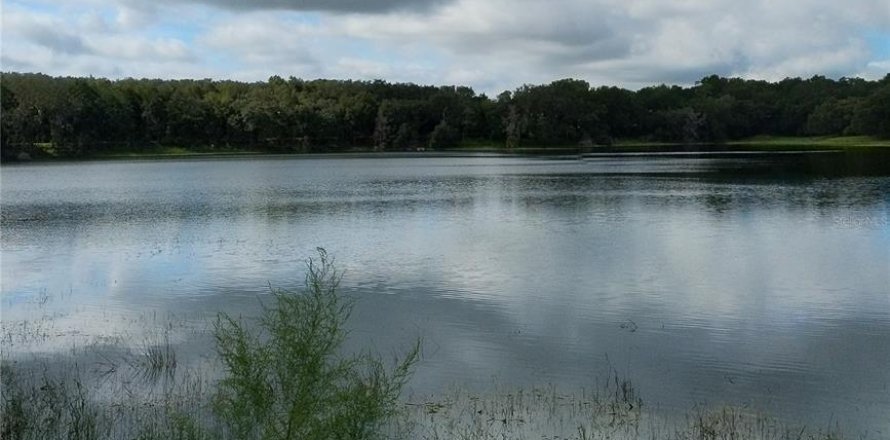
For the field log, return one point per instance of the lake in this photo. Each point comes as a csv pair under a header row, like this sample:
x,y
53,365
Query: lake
x,y
706,280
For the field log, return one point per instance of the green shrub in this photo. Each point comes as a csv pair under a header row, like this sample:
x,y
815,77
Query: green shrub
x,y
289,378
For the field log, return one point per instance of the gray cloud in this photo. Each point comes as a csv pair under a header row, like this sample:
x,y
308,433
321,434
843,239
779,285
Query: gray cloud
x,y
14,63
44,32
58,40
339,6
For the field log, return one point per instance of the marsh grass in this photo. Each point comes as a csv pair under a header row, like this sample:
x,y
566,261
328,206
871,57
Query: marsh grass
x,y
47,404
283,376
156,359
733,423
598,414
286,375
41,405
40,328
611,410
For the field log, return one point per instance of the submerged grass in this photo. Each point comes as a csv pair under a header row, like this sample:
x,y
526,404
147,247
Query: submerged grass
x,y
541,412
285,376
44,406
156,359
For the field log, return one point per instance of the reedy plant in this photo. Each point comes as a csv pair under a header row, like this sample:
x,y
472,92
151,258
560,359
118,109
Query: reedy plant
x,y
289,379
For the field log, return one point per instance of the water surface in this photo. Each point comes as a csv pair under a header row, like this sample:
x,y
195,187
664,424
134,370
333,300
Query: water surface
x,y
703,286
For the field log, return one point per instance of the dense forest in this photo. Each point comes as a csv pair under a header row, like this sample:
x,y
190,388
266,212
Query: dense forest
x,y
86,116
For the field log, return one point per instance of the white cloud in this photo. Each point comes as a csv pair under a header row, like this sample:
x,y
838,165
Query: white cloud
x,y
261,38
636,43
90,42
128,17
140,49
489,44
875,69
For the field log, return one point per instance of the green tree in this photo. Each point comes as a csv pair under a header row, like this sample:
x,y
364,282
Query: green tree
x,y
77,126
681,125
716,117
832,117
80,115
8,103
444,136
622,113
406,137
872,115
383,127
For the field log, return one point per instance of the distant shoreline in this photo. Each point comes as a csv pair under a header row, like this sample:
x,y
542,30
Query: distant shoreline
x,y
623,148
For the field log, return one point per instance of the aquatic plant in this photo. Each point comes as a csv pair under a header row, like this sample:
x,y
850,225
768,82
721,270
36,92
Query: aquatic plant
x,y
291,381
285,375
43,406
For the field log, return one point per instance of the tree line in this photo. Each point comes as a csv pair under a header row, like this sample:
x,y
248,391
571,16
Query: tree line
x,y
83,116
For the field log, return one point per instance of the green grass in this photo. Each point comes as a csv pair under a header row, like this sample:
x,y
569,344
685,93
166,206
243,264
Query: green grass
x,y
624,143
759,143
815,142
50,152
170,151
773,143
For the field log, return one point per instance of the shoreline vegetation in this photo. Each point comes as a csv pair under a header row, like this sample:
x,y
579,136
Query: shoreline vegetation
x,y
284,376
760,144
44,117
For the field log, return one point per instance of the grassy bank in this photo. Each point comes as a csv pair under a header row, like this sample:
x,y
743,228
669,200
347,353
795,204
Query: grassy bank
x,y
770,143
172,152
283,376
815,142
45,152
757,143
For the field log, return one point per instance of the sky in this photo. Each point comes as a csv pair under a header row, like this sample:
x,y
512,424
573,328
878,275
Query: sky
x,y
490,45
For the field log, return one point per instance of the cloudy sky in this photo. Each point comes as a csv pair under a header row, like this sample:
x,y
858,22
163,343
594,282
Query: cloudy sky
x,y
491,45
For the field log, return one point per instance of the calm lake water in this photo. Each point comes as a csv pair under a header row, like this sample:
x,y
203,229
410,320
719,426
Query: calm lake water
x,y
704,288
